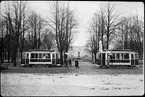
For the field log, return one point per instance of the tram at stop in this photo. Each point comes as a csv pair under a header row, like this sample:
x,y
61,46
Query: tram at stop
x,y
34,58
109,58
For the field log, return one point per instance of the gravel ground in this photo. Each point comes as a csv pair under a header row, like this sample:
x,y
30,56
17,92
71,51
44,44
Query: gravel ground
x,y
86,81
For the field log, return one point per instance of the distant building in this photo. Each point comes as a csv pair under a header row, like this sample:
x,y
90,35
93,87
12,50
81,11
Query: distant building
x,y
76,51
79,51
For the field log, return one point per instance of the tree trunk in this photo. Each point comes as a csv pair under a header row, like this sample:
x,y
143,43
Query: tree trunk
x,y
61,58
107,40
15,55
22,46
16,42
2,52
9,50
95,57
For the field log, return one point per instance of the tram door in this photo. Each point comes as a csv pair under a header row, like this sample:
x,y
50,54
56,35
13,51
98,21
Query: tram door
x,y
103,59
53,59
132,60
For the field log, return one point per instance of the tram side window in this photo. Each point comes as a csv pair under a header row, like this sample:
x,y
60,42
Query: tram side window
x,y
44,56
36,55
126,56
117,56
47,55
113,56
40,55
122,56
32,55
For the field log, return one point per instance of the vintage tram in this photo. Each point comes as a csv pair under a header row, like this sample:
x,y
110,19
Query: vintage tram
x,y
34,58
109,58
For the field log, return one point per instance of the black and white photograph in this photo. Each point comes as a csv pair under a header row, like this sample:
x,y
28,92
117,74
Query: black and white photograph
x,y
72,48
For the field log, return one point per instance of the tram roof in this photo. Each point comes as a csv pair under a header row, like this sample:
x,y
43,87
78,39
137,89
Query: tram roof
x,y
118,50
36,50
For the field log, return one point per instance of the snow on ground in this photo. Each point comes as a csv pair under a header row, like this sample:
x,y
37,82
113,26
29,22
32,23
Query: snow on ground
x,y
23,84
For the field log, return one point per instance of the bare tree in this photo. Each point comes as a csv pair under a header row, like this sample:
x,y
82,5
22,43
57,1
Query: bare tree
x,y
2,26
111,21
25,26
37,24
97,32
33,25
62,21
139,30
41,25
129,34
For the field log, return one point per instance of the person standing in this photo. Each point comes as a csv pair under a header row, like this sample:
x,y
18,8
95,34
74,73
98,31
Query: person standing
x,y
70,63
108,60
66,63
76,64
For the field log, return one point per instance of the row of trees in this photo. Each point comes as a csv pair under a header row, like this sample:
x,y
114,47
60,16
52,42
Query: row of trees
x,y
108,29
129,34
13,24
23,30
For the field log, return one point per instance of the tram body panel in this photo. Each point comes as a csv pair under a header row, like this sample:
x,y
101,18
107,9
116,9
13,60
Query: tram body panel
x,y
40,58
126,58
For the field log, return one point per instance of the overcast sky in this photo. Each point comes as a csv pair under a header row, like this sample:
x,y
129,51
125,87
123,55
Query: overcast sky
x,y
84,11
